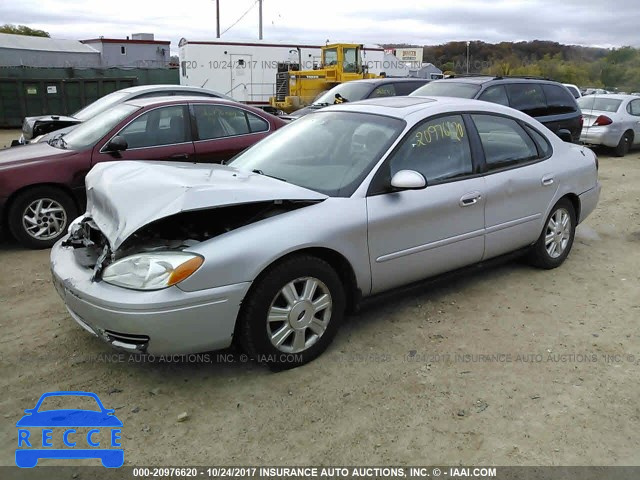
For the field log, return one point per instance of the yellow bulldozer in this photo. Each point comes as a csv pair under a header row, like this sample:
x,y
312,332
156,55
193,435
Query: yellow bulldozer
x,y
341,62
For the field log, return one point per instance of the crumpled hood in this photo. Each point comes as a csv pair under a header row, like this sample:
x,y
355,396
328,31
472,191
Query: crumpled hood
x,y
124,196
45,124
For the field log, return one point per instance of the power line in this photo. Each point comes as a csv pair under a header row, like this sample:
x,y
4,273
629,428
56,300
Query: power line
x,y
241,17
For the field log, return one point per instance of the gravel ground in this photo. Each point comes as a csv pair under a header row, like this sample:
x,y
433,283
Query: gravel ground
x,y
507,366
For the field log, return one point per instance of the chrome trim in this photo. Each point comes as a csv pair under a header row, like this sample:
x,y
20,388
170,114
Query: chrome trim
x,y
513,223
457,238
430,246
155,146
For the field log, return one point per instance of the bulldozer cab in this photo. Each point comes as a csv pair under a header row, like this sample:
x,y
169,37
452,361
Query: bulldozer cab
x,y
345,57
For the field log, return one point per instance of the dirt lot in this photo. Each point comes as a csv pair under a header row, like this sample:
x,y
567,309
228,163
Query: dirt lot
x,y
404,382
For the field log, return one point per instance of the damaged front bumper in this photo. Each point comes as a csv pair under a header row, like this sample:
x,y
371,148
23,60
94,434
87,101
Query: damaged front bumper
x,y
168,321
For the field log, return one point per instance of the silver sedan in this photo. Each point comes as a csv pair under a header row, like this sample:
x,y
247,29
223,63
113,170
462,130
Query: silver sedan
x,y
272,250
611,121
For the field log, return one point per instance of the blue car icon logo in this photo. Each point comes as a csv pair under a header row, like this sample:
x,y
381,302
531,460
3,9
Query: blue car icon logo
x,y
36,433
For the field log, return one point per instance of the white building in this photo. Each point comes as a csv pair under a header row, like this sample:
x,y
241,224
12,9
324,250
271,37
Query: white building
x,y
246,71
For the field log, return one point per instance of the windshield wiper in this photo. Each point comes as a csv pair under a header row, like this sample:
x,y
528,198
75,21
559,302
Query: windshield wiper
x,y
320,104
260,172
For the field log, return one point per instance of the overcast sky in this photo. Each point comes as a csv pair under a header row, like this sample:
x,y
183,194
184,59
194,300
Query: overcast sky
x,y
607,23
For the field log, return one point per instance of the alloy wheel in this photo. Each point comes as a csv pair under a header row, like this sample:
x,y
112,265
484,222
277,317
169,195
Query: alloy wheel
x,y
558,233
44,219
299,315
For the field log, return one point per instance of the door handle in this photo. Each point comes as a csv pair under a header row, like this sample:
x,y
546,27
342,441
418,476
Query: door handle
x,y
180,156
470,199
547,180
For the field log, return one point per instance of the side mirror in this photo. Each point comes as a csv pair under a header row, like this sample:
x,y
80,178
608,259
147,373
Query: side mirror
x,y
117,144
565,135
408,180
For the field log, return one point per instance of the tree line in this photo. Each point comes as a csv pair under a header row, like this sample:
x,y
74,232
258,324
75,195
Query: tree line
x,y
23,30
613,69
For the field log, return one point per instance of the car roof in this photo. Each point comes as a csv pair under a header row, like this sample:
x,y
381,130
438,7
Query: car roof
x,y
614,96
404,107
391,79
481,79
159,87
169,99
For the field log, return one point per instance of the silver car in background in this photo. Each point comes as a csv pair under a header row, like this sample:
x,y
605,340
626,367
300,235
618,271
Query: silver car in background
x,y
42,128
272,250
611,121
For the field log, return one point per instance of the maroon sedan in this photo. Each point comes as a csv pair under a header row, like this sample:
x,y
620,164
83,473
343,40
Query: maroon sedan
x,y
42,185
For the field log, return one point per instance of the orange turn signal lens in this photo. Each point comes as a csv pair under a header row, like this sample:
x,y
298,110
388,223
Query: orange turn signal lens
x,y
184,270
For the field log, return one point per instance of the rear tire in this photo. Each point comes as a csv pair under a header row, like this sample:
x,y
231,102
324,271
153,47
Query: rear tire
x,y
555,241
292,313
624,145
40,216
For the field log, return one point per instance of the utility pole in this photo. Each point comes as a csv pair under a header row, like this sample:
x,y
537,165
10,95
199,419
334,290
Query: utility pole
x,y
218,18
468,43
260,18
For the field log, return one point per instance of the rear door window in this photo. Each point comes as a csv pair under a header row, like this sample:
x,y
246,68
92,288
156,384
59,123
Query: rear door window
x,y
528,98
559,100
504,141
495,94
219,121
634,108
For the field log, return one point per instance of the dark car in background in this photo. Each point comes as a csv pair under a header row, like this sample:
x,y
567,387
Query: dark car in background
x,y
361,90
35,128
549,102
42,185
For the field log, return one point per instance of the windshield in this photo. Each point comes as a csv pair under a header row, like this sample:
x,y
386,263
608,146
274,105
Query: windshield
x,y
447,89
330,57
88,133
99,106
599,103
69,402
329,152
350,92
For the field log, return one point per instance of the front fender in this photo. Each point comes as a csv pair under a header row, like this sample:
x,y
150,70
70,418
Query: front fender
x,y
338,224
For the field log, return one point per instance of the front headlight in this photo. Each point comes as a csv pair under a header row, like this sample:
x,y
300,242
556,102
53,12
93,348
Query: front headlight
x,y
152,271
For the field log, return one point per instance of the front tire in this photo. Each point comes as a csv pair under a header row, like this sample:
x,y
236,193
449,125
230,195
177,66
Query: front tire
x,y
555,241
624,145
292,312
40,216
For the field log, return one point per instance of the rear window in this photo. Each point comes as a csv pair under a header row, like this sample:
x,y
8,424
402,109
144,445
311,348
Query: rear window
x,y
559,100
447,89
601,104
405,88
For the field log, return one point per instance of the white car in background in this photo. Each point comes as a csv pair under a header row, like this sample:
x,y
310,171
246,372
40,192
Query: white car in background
x,y
596,91
612,121
575,91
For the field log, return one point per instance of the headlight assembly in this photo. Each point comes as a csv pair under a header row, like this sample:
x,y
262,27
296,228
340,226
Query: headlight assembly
x,y
152,271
